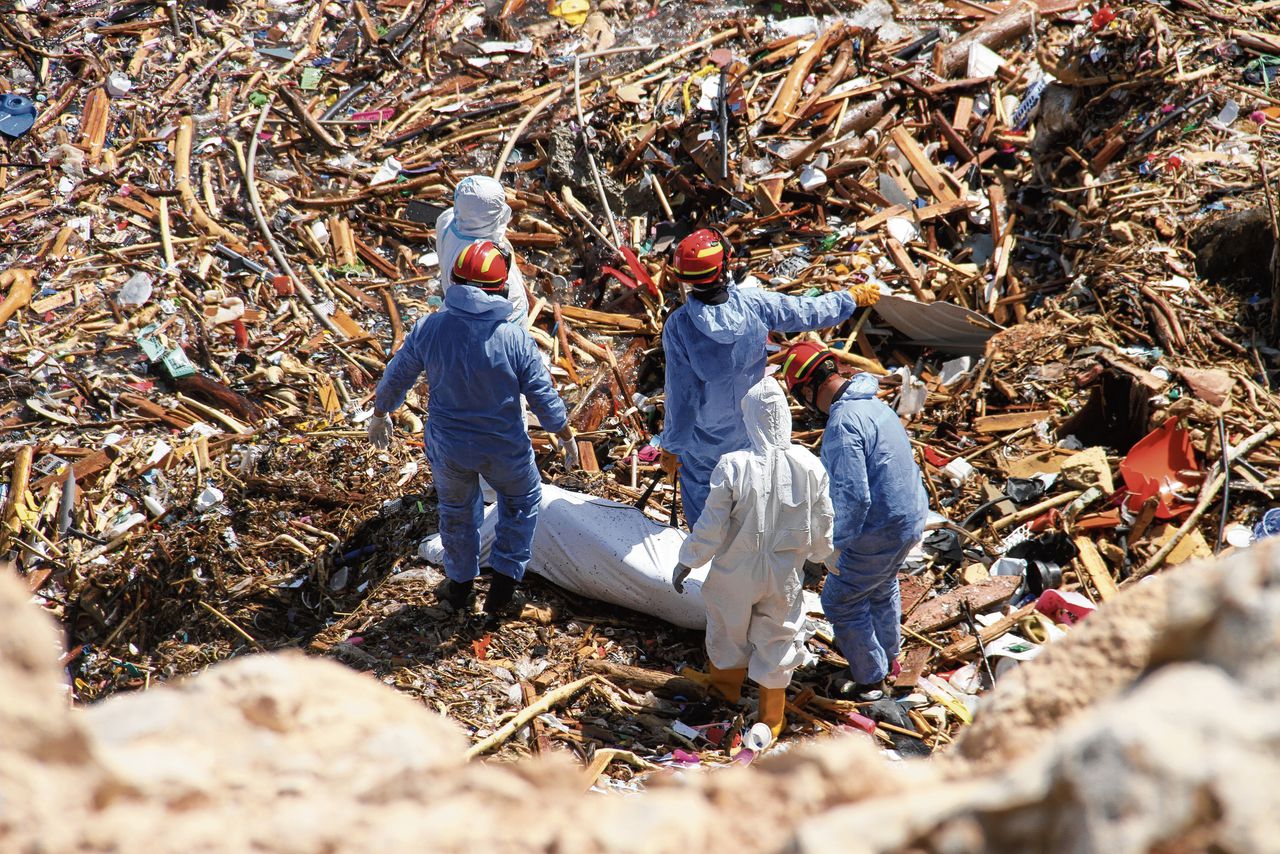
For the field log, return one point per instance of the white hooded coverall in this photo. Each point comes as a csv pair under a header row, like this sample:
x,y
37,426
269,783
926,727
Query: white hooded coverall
x,y
767,512
480,212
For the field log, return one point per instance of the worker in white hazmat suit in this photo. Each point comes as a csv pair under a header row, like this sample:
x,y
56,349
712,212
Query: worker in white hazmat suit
x,y
480,212
767,512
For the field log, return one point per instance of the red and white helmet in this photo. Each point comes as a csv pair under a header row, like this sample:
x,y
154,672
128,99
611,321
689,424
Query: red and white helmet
x,y
701,258
802,361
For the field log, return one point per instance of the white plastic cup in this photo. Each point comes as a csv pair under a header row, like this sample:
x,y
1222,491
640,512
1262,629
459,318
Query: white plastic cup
x,y
758,737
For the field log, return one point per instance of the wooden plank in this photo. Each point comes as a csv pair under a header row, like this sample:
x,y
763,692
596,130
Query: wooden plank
x,y
945,610
382,265
1009,421
918,214
898,253
1096,568
85,467
344,250
643,679
955,142
920,162
605,318
965,647
963,114
914,662
93,123
913,588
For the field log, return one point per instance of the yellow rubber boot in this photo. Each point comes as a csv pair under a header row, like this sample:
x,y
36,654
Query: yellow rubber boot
x,y
773,704
726,683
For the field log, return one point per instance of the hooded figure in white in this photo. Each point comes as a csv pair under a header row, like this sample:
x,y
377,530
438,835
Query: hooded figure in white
x,y
767,512
480,212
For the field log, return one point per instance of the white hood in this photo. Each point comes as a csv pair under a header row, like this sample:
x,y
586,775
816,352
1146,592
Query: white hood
x,y
480,212
480,209
767,416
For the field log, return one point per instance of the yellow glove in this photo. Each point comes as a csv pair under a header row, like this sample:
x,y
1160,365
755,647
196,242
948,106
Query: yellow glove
x,y
865,295
669,462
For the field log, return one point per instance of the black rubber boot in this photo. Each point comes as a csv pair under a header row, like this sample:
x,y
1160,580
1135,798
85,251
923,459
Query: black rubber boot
x,y
501,598
457,594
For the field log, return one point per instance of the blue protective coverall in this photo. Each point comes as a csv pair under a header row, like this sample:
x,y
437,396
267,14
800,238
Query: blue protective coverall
x,y
880,509
478,365
714,354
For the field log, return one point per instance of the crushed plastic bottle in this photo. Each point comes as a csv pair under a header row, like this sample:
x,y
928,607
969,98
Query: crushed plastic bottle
x,y
135,291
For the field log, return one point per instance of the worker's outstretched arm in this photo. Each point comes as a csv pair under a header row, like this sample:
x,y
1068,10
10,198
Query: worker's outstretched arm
x,y
844,455
402,372
789,314
535,382
709,535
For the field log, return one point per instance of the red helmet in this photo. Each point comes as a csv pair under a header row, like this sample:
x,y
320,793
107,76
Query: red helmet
x,y
701,258
481,264
801,361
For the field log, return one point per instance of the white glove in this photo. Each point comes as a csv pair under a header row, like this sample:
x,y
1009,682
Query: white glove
x,y
571,458
678,577
379,430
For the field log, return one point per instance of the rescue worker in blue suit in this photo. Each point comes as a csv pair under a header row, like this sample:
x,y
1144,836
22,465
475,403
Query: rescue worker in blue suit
x,y
880,510
715,352
477,365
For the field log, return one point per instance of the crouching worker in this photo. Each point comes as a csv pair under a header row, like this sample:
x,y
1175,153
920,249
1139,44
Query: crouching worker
x,y
477,365
766,513
880,508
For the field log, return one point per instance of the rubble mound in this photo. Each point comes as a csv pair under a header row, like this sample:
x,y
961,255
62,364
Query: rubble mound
x,y
1150,728
1235,246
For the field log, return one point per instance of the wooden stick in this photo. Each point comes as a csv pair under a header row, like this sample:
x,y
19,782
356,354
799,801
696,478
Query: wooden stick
x,y
520,128
232,623
20,283
1036,509
545,703
19,478
591,160
605,757
643,679
789,90
182,183
255,203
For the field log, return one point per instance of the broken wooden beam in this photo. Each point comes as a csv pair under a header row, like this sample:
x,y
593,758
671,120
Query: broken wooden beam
x,y
947,609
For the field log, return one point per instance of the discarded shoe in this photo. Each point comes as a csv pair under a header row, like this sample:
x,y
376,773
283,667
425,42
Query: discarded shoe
x,y
847,689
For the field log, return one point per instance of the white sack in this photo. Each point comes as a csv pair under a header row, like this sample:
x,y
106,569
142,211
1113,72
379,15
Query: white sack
x,y
603,550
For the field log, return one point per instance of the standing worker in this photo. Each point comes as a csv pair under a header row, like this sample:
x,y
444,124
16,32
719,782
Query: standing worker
x,y
714,347
478,366
767,512
880,508
480,212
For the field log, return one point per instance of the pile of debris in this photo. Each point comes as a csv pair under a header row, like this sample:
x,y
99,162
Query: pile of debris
x,y
218,225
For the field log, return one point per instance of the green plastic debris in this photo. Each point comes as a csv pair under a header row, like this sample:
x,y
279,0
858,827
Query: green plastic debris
x,y
173,362
311,78
176,364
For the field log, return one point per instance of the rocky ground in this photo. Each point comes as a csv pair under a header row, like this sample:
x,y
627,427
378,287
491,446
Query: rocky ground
x,y
1150,729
